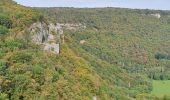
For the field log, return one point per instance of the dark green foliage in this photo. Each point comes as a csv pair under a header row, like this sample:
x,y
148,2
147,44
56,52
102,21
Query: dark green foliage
x,y
3,68
160,56
166,97
55,76
41,18
3,30
21,57
5,21
13,44
20,82
3,96
36,70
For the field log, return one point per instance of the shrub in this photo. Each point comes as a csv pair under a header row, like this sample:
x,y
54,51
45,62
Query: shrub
x,y
3,96
20,82
165,97
162,56
2,68
3,30
36,69
5,21
21,57
37,73
55,76
12,44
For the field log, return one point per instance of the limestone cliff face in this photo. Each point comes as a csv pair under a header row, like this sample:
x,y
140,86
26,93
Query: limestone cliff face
x,y
39,33
47,36
51,36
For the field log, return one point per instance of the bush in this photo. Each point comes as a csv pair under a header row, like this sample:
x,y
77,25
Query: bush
x,y
55,76
13,44
21,57
20,82
162,56
3,96
3,30
36,70
165,97
37,73
5,21
3,68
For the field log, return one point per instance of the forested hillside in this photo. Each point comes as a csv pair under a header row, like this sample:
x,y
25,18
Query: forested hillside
x,y
114,57
136,41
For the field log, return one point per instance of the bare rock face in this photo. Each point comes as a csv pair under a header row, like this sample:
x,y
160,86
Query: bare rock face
x,y
157,15
47,36
39,32
51,36
69,26
54,48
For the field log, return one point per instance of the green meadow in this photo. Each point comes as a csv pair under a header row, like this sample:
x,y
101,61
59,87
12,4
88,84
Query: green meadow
x,y
161,88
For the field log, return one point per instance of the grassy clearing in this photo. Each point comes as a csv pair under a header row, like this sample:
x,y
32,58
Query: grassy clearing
x,y
161,88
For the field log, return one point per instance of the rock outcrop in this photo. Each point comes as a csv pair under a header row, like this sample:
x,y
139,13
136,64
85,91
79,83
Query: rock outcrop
x,y
51,36
157,15
47,36
82,41
39,33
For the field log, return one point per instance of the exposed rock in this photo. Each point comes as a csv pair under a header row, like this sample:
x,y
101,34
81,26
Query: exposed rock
x,y
157,15
39,33
47,36
70,26
82,41
94,98
50,36
53,29
53,47
95,29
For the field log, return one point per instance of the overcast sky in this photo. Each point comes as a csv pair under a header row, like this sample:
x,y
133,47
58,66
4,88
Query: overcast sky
x,y
143,4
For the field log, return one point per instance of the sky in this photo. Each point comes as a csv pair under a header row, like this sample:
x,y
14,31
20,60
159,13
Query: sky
x,y
141,4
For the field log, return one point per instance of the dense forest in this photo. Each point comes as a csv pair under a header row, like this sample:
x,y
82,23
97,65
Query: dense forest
x,y
115,57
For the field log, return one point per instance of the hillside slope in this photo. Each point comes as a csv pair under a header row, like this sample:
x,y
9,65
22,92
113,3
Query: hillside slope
x,y
27,72
136,41
113,62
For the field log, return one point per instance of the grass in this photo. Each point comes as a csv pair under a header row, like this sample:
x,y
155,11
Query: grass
x,y
161,88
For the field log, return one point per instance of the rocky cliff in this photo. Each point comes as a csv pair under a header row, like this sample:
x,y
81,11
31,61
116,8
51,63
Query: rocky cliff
x,y
50,36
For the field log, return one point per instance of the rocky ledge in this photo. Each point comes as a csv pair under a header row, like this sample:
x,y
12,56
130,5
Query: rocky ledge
x,y
50,36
